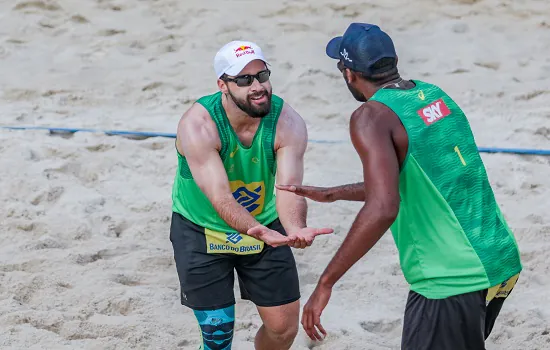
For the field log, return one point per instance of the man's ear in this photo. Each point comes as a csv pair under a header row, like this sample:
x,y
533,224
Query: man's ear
x,y
222,86
350,76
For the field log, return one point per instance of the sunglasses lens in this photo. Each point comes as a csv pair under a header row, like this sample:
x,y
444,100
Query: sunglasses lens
x,y
245,80
263,76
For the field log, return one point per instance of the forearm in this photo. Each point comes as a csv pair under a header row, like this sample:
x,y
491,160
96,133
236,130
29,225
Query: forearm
x,y
366,230
292,210
350,192
234,214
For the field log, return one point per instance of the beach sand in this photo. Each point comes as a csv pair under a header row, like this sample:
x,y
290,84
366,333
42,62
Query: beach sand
x,y
85,259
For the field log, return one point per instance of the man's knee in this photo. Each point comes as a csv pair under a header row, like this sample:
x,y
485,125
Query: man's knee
x,y
281,323
284,333
216,327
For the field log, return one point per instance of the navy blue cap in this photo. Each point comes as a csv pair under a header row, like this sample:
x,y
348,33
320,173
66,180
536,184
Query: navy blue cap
x,y
361,46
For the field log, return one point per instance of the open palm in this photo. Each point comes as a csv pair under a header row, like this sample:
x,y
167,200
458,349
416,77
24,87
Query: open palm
x,y
270,237
304,237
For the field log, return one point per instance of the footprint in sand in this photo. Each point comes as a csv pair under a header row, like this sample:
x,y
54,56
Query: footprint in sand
x,y
117,307
30,6
45,242
105,254
31,266
44,321
531,95
155,146
100,148
83,232
114,229
294,27
82,330
381,326
156,263
351,10
292,11
79,19
23,292
126,280
86,175
543,131
50,196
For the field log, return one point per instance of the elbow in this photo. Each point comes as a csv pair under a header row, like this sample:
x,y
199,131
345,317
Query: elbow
x,y
387,210
389,214
392,212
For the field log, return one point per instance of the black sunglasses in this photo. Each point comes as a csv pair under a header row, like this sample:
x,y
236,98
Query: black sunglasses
x,y
248,79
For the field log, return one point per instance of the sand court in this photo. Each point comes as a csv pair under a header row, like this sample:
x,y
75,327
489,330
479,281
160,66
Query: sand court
x,y
85,259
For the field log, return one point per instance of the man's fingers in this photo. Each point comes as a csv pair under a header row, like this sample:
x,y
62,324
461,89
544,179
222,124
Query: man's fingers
x,y
322,330
254,231
280,240
315,333
319,326
290,188
308,325
300,244
323,231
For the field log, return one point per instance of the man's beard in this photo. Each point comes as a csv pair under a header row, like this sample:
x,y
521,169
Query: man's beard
x,y
356,94
254,111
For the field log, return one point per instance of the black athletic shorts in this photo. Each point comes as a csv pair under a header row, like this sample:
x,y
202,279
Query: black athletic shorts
x,y
268,278
461,322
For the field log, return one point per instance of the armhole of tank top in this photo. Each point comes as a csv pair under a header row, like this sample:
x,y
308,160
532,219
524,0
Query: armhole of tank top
x,y
216,112
409,145
271,128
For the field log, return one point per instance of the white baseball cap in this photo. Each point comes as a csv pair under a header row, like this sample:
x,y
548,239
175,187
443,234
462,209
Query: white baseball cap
x,y
235,55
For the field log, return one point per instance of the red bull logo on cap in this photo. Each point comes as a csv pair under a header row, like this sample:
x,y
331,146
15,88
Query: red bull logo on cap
x,y
243,50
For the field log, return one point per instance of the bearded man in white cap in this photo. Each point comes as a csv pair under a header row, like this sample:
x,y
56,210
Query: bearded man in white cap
x,y
232,146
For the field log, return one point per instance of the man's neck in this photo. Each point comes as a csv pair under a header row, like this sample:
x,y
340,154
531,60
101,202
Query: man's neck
x,y
238,119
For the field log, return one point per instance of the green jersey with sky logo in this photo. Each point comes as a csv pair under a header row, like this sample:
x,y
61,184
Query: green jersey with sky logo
x,y
251,174
450,233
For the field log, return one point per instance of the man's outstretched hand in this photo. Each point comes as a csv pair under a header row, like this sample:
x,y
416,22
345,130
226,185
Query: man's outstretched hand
x,y
301,238
270,237
318,194
304,237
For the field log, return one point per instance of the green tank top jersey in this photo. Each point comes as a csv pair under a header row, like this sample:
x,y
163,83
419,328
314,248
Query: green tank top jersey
x,y
250,171
450,233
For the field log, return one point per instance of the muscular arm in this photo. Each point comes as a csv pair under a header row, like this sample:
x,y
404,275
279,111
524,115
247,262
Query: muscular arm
x,y
198,140
371,137
351,192
290,145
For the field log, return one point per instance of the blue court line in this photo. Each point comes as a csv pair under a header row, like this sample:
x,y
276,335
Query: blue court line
x,y
146,134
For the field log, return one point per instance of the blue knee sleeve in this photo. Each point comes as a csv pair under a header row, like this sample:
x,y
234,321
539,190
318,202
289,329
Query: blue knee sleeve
x,y
216,328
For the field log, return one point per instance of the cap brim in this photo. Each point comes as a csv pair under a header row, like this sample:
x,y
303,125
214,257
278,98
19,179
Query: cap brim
x,y
333,48
239,66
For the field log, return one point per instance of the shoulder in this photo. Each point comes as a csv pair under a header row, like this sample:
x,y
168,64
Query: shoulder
x,y
291,127
289,118
372,115
196,126
370,124
196,117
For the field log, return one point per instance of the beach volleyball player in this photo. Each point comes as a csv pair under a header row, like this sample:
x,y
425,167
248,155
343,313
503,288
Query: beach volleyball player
x,y
423,179
232,146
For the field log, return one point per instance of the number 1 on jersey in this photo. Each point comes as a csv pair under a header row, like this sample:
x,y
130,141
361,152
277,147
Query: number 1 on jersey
x,y
460,155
